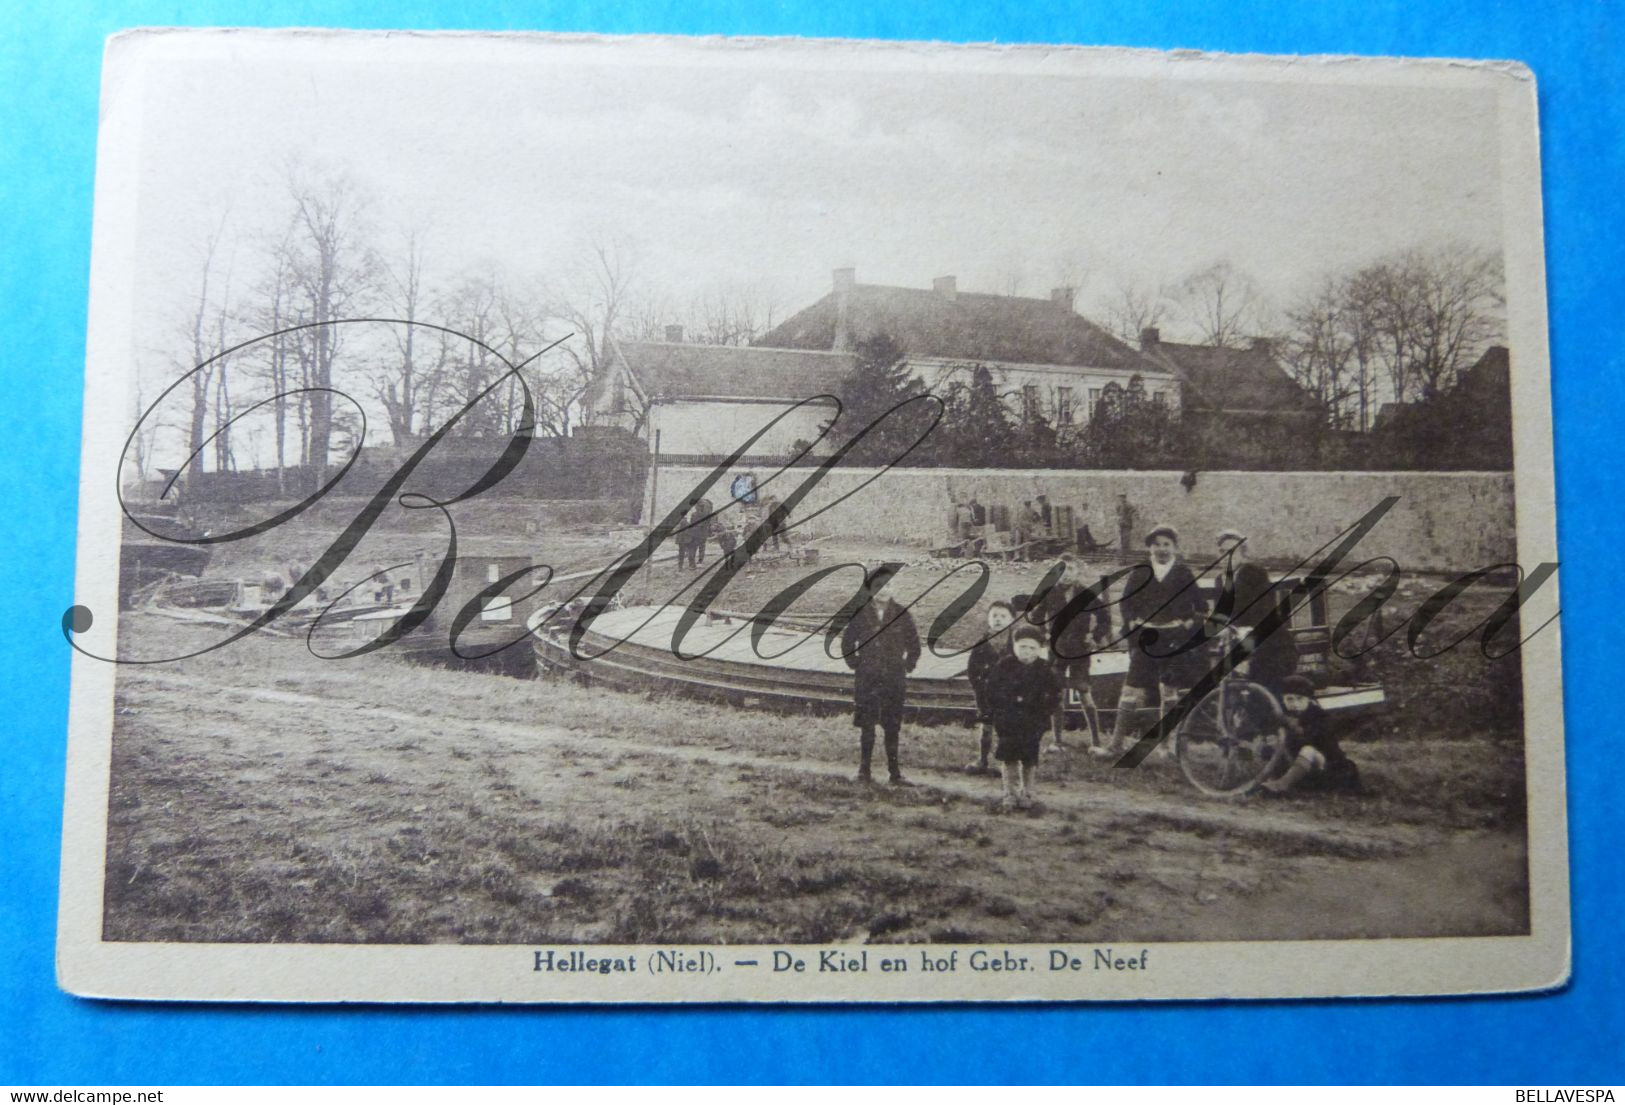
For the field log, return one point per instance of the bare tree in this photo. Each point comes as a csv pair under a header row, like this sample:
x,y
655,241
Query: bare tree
x,y
1413,321
1461,304
1221,305
471,309
334,270
144,441
1319,351
521,323
592,307
731,316
271,316
206,325
397,383
1132,309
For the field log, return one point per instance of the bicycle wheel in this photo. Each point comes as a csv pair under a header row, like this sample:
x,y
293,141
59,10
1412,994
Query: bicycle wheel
x,y
1232,741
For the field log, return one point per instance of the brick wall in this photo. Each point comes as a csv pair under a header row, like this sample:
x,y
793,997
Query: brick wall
x,y
1443,520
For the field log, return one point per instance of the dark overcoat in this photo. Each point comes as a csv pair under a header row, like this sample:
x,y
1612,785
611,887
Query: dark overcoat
x,y
1248,598
881,647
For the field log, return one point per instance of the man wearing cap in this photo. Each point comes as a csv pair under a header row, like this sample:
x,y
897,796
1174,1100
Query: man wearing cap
x,y
1247,597
881,646
1161,609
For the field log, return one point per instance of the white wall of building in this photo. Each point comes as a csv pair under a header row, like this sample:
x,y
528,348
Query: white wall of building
x,y
716,427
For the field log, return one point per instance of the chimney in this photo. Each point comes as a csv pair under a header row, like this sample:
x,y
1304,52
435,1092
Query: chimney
x,y
1149,336
946,286
674,332
1264,346
1063,297
845,281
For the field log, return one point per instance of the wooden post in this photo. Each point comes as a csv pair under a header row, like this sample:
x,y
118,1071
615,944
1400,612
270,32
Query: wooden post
x,y
649,516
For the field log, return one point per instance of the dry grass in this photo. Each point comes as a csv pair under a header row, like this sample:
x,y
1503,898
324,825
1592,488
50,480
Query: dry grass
x,y
240,820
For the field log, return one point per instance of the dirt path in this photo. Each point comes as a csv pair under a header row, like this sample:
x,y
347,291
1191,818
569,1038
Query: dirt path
x,y
1251,819
390,803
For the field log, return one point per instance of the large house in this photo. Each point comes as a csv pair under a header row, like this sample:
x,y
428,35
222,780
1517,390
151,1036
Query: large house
x,y
695,400
1048,358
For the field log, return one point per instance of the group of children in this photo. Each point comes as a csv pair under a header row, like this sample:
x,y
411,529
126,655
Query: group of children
x,y
1037,650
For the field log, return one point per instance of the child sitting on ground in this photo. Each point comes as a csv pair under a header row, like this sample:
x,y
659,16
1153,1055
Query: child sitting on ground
x,y
984,658
1318,761
1025,691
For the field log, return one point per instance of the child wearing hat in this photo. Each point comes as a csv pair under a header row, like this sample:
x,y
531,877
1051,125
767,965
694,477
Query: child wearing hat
x,y
1318,761
1024,691
983,660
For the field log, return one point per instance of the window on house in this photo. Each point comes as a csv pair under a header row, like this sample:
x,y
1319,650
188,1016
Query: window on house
x,y
1094,401
1160,398
1029,401
1063,406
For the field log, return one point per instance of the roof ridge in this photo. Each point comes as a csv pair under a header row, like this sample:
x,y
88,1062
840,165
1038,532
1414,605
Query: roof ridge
x,y
707,345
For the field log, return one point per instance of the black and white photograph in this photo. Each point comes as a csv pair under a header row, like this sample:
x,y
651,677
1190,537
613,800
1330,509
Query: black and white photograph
x,y
586,519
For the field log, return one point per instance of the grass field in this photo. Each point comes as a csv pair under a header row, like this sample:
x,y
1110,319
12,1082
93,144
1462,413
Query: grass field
x,y
260,794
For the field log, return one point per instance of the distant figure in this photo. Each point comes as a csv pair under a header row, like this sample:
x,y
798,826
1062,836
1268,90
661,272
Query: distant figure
x,y
978,513
881,645
1127,519
774,512
691,539
964,526
1027,527
727,542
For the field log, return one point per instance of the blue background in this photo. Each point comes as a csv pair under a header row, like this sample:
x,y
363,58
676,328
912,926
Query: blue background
x,y
49,72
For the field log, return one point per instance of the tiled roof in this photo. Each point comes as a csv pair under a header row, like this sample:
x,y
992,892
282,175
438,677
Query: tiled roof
x,y
962,326
690,370
1219,379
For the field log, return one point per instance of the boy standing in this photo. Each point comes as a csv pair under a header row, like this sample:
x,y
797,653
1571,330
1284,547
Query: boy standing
x,y
881,645
1077,621
984,659
1024,691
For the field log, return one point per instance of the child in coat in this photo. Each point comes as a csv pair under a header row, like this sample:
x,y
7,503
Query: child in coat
x,y
984,658
1025,691
1318,761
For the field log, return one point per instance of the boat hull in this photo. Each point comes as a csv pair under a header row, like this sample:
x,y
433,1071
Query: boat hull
x,y
791,670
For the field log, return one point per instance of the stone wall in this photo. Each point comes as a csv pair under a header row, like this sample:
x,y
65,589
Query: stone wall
x,y
1444,521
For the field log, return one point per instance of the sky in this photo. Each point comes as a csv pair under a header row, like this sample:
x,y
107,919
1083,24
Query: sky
x,y
766,169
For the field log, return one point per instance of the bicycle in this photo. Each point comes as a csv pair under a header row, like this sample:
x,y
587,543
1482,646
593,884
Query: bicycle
x,y
1235,737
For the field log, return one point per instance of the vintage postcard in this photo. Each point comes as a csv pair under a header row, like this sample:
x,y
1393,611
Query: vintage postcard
x,y
577,519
